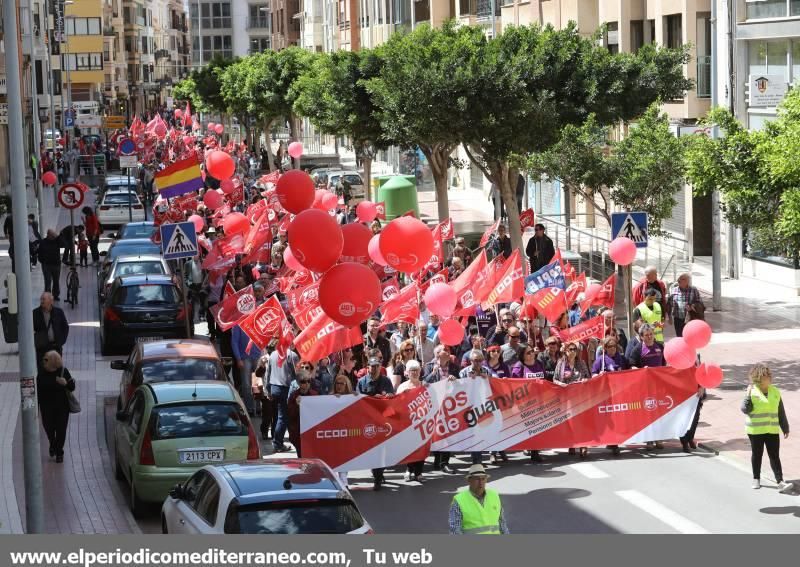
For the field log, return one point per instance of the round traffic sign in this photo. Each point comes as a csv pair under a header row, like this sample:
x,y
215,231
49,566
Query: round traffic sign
x,y
70,196
127,147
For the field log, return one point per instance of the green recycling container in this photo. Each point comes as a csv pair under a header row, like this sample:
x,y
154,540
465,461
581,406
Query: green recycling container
x,y
400,196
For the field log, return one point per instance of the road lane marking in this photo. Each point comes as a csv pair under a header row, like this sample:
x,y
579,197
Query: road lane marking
x,y
588,470
661,512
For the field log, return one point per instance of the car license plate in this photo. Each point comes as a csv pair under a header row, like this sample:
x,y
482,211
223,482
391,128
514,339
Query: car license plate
x,y
201,456
148,339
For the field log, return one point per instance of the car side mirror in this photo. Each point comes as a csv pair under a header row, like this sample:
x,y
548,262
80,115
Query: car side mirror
x,y
122,415
119,365
177,492
103,253
113,235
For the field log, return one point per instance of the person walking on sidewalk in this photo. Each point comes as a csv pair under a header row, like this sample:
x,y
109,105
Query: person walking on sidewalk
x,y
93,232
684,303
766,419
477,510
52,383
50,328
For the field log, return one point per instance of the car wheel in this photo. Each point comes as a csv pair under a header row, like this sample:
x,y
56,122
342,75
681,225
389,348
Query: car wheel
x,y
137,506
164,529
105,347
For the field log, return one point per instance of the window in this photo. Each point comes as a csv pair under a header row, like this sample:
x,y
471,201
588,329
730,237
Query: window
x,y
673,31
259,44
766,9
136,412
83,61
796,62
637,35
207,501
193,486
612,37
337,516
206,419
768,58
145,294
83,26
176,369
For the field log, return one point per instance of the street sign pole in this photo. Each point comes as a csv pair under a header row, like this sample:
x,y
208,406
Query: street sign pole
x,y
189,323
130,210
32,458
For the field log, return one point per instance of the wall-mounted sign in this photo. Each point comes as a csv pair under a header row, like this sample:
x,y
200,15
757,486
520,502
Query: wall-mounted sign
x,y
767,90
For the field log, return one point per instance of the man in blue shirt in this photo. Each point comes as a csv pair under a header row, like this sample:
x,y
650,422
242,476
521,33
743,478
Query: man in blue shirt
x,y
246,361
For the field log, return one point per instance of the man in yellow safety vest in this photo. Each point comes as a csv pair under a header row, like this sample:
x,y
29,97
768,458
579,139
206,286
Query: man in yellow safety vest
x,y
651,313
477,510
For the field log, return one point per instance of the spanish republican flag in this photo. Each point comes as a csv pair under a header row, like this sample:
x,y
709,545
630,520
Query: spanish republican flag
x,y
179,178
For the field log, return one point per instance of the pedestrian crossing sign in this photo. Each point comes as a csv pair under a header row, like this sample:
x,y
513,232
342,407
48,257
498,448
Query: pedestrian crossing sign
x,y
178,240
631,225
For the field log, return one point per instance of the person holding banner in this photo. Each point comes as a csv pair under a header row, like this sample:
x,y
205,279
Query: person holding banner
x,y
549,359
293,408
477,510
413,373
529,366
571,369
646,354
610,359
440,368
495,361
405,354
374,384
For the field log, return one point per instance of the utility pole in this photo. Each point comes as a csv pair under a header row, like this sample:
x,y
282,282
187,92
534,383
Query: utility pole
x,y
716,244
34,506
37,123
51,89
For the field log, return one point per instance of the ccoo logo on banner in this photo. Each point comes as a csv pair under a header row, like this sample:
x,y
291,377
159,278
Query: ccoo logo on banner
x,y
620,408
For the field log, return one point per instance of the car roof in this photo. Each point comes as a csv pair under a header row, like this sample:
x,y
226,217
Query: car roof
x,y
265,481
132,242
139,223
183,348
195,391
120,179
131,258
138,279
346,172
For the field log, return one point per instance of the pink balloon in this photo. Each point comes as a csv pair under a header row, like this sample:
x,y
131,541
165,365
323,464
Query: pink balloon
x,y
356,243
697,334
451,333
295,149
212,199
709,375
211,125
593,289
678,354
366,211
622,251
49,178
161,130
374,250
219,128
199,222
407,244
291,261
318,194
329,201
441,300
235,223
188,140
227,186
178,113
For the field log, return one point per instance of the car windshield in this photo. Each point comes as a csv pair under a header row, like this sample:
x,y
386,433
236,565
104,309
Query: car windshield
x,y
138,231
180,369
352,179
120,199
199,420
138,268
147,295
316,517
135,249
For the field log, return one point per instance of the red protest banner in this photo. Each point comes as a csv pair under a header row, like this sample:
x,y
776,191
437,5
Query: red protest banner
x,y
324,336
264,323
233,308
594,328
402,307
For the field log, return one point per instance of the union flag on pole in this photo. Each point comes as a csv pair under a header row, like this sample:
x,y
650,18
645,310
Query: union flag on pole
x,y
324,336
508,285
577,287
464,286
381,208
526,219
488,234
550,302
404,306
604,295
233,308
446,229
264,323
594,328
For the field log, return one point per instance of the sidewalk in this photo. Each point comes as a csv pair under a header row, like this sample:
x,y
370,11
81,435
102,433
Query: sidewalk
x,y
80,495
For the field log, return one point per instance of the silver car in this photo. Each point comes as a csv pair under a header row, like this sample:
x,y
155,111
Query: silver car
x,y
357,189
129,266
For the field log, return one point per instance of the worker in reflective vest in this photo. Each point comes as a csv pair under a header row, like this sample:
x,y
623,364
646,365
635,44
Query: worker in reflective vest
x,y
650,312
765,420
477,510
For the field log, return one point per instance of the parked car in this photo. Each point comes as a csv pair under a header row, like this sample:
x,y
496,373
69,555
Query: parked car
x,y
167,361
141,229
168,431
129,266
279,496
357,189
113,209
140,309
320,174
128,247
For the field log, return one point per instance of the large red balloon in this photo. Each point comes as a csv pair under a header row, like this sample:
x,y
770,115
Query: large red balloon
x,y
49,178
678,354
709,375
374,249
212,199
366,211
329,201
291,261
295,191
316,240
227,186
451,333
188,140
407,244
697,333
441,299
349,293
220,165
235,223
356,243
199,222
219,128
622,250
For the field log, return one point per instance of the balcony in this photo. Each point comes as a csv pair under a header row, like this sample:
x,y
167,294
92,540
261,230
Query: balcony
x,y
258,23
704,76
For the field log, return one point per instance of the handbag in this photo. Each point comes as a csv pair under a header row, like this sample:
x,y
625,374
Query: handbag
x,y
72,399
41,340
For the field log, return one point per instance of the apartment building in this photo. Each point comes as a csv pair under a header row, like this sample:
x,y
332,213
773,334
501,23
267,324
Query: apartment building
x,y
256,35
310,17
82,53
285,16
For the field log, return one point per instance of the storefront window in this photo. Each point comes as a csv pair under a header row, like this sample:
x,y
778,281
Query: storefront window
x,y
768,58
766,9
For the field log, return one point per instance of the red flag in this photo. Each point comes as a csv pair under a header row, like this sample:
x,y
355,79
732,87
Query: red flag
x,y
439,277
577,287
233,308
264,323
137,128
550,302
437,258
446,229
594,328
463,285
324,336
305,316
402,307
510,285
254,211
569,270
381,208
269,178
293,280
229,290
260,233
217,260
488,234
604,295
303,297
390,288
187,114
526,219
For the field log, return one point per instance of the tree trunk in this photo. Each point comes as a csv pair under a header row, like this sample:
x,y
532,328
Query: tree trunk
x,y
505,177
438,157
268,145
294,131
367,161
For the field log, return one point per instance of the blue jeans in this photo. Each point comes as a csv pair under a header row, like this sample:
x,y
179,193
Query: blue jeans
x,y
246,384
280,398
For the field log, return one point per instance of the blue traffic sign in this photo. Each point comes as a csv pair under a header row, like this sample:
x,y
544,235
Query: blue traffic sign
x,y
127,147
631,225
178,240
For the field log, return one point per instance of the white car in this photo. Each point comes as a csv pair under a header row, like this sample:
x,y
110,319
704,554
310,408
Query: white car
x,y
357,192
113,207
276,496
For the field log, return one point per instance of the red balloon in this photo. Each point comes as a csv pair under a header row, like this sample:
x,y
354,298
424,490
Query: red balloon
x,y
211,125
356,243
622,250
329,201
366,211
349,293
451,333
295,191
678,354
697,333
161,130
188,141
291,261
49,178
316,240
709,375
317,204
235,223
440,299
227,186
374,249
407,244
178,113
220,165
219,128
212,199
199,222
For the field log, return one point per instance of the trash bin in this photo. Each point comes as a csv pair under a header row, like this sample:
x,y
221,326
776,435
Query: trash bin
x,y
9,325
400,196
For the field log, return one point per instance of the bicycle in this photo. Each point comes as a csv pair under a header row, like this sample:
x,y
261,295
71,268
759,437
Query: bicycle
x,y
73,283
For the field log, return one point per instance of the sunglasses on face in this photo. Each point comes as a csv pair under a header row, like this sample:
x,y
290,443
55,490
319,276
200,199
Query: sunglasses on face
x,y
513,336
304,382
573,349
408,349
508,320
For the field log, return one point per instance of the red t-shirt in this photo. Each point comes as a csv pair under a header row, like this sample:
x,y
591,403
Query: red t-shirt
x,y
92,226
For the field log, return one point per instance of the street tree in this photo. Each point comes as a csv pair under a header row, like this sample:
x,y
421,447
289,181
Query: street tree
x,y
236,99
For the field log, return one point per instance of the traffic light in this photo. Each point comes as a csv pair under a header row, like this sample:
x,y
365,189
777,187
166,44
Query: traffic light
x,y
120,107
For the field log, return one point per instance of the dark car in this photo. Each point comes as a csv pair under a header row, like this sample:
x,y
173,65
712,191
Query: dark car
x,y
139,309
140,229
128,247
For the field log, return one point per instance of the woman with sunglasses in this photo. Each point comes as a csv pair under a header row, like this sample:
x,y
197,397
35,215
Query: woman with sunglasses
x,y
528,366
342,386
494,360
413,375
406,353
293,409
571,369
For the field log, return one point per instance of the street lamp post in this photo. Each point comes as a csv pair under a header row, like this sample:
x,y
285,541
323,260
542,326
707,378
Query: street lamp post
x,y
51,90
65,62
37,123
